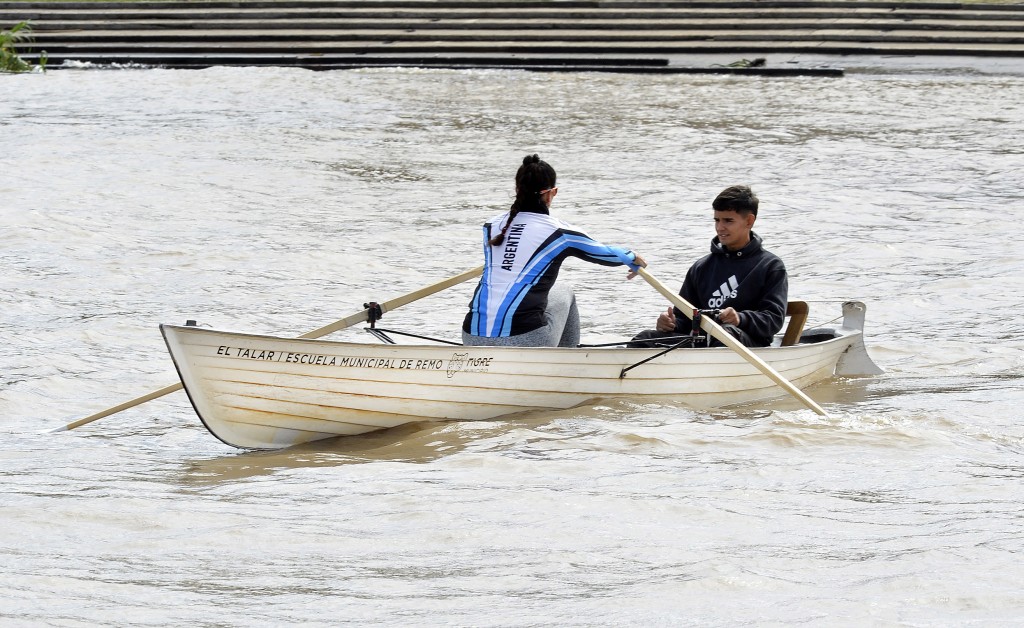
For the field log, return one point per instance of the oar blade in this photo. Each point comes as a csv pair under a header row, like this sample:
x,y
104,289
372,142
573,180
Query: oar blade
x,y
120,407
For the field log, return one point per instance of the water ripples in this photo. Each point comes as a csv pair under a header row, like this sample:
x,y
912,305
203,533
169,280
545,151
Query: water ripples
x,y
276,200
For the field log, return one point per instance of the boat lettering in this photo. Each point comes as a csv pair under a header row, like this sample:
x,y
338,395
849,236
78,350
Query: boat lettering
x,y
315,359
391,363
311,358
250,354
421,364
257,354
463,362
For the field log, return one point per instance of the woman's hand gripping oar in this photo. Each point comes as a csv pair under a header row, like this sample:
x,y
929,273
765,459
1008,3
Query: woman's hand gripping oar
x,y
348,321
713,328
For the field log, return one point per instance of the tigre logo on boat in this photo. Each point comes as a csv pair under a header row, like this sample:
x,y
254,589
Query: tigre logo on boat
x,y
456,363
462,362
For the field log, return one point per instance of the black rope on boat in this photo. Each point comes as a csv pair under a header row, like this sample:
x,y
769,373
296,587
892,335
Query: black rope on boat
x,y
662,342
685,341
608,344
693,340
380,333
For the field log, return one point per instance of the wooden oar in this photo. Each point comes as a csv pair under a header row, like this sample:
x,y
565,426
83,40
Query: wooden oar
x,y
348,321
713,328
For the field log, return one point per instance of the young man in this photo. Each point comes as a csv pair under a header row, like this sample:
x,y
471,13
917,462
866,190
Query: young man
x,y
747,283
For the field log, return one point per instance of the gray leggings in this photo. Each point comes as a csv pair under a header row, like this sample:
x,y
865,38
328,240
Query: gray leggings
x,y
562,328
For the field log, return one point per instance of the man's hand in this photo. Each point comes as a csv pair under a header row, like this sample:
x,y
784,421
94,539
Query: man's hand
x,y
729,316
667,321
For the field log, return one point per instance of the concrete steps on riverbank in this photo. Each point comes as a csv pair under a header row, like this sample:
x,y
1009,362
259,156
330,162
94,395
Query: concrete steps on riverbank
x,y
618,35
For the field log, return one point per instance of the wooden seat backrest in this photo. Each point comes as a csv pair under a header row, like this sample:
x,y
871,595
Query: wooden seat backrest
x,y
797,313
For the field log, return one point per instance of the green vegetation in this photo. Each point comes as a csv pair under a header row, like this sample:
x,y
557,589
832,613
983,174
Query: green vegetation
x,y
9,59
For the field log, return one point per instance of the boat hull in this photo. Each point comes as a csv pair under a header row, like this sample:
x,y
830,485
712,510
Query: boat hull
x,y
265,392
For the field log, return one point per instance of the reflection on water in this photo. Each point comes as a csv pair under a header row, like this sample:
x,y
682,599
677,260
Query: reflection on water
x,y
274,201
417,443
411,443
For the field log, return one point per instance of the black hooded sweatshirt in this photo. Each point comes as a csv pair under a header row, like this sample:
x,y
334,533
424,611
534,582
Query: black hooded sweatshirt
x,y
752,281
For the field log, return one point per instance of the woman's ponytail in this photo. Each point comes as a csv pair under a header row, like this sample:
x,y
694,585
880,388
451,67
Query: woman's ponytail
x,y
533,177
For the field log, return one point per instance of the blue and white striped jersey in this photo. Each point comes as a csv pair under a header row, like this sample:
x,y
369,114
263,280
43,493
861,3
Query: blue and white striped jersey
x,y
519,272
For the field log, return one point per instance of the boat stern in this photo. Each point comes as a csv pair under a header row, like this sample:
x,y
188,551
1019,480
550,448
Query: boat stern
x,y
855,361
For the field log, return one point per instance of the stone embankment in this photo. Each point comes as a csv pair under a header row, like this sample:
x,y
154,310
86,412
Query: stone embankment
x,y
617,35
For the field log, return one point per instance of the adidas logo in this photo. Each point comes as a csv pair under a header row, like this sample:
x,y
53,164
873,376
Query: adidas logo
x,y
725,291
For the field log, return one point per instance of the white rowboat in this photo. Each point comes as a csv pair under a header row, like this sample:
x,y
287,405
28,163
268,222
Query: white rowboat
x,y
266,392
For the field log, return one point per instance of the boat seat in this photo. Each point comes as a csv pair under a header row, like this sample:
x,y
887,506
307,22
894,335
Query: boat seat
x,y
797,313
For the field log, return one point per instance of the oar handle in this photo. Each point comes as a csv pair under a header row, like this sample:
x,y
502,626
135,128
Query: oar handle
x,y
709,325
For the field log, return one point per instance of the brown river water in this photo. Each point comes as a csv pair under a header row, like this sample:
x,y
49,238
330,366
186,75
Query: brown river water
x,y
278,200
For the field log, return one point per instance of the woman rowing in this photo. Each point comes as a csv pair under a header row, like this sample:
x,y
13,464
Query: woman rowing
x,y
518,303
